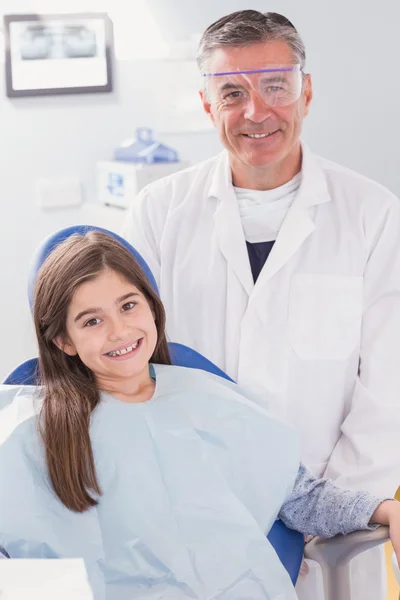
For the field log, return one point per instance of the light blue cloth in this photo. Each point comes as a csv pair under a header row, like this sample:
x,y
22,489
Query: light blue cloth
x,y
192,482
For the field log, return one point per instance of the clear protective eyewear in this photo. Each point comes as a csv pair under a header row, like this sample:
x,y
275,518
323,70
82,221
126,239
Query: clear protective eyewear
x,y
277,85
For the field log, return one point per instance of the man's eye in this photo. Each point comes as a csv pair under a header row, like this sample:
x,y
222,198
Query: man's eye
x,y
92,322
232,95
128,306
274,89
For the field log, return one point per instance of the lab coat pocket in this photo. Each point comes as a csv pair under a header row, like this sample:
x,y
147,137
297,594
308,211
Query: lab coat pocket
x,y
325,314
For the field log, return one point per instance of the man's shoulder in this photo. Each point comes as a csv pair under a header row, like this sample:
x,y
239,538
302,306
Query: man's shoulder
x,y
195,176
342,179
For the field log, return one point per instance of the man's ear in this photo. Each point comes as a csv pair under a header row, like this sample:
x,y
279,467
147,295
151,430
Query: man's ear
x,y
64,346
307,94
206,105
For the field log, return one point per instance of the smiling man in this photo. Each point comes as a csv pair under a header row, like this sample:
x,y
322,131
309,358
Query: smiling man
x,y
284,268
245,83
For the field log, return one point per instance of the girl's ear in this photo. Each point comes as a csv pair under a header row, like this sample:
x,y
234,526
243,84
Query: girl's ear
x,y
66,347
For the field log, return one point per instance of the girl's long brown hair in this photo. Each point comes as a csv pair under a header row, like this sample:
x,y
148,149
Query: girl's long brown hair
x,y
70,392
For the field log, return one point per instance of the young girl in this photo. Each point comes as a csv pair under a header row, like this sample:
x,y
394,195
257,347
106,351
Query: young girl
x,y
165,480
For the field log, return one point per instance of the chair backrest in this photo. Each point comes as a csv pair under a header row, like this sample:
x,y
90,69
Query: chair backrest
x,y
27,373
288,544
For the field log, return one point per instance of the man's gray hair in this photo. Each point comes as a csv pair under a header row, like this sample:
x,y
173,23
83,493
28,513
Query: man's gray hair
x,y
247,27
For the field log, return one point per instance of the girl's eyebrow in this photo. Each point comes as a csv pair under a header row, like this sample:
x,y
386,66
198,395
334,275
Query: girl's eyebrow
x,y
89,311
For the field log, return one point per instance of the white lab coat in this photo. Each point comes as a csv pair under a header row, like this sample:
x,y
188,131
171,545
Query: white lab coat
x,y
318,336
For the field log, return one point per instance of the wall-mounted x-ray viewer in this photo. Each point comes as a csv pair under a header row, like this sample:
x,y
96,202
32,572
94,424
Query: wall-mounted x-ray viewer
x,y
58,54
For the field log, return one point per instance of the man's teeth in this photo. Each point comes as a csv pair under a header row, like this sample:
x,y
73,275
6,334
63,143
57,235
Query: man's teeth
x,y
258,135
124,350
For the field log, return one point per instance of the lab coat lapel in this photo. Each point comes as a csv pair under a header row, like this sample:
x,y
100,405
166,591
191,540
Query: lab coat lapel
x,y
298,224
296,228
228,225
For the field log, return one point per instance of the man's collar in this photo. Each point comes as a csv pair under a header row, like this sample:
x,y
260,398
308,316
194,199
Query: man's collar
x,y
313,187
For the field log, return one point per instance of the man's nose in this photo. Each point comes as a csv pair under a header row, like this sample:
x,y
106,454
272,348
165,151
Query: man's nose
x,y
256,109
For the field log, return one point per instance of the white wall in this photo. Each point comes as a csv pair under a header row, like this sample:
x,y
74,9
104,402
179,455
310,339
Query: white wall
x,y
51,137
353,50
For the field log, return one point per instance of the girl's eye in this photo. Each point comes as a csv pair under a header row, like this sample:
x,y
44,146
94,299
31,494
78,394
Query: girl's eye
x,y
92,322
128,306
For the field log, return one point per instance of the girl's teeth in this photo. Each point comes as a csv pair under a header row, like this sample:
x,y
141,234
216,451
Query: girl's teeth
x,y
124,350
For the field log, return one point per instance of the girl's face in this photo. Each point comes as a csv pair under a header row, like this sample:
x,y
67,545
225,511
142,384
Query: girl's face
x,y
110,325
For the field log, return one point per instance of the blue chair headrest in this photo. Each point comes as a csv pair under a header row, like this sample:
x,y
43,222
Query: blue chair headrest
x,y
48,245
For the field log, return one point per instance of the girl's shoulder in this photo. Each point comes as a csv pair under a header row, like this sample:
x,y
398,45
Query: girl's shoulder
x,y
184,378
19,433
22,400
197,384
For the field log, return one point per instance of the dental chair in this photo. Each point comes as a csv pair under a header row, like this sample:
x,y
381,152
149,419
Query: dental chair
x,y
333,555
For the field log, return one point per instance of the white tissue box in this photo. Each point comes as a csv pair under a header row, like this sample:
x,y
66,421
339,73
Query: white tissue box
x,y
119,182
44,579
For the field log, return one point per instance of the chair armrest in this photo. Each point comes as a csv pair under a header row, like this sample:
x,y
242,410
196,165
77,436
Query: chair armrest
x,y
334,556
